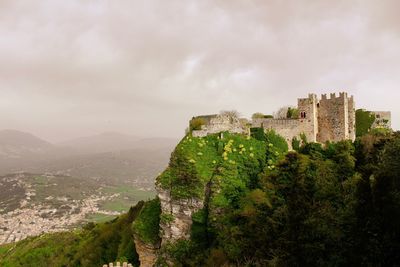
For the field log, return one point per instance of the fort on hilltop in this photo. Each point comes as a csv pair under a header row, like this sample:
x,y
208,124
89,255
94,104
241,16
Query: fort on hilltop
x,y
331,118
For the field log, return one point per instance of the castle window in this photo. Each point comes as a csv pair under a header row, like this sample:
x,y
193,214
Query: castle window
x,y
317,105
303,115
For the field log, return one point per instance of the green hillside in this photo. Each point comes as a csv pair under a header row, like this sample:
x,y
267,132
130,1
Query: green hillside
x,y
332,205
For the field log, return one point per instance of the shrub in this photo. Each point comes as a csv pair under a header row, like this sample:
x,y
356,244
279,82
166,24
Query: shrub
x,y
196,124
292,113
364,121
146,225
257,133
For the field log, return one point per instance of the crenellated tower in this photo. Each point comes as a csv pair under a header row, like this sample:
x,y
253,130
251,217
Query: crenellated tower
x,y
336,118
308,116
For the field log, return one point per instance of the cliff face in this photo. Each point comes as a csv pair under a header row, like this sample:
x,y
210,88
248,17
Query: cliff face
x,y
146,232
204,177
147,252
178,216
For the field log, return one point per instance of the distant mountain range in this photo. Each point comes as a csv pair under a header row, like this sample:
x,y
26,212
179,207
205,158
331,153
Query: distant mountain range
x,y
113,141
108,155
16,144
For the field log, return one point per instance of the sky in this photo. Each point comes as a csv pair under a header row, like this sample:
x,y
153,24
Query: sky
x,y
76,68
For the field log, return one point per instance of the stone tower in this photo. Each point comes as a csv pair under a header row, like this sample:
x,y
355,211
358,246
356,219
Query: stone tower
x,y
308,116
336,118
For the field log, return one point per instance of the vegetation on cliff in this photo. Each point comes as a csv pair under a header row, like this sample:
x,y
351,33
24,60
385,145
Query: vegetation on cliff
x,y
333,205
146,225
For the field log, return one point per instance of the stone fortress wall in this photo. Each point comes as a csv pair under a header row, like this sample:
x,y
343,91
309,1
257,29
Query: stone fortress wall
x,y
320,120
328,119
220,123
336,117
287,128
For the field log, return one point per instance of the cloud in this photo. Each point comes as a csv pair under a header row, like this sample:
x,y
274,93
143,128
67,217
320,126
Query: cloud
x,y
72,68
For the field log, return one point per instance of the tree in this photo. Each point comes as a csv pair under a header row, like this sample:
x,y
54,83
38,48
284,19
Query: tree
x,y
257,115
287,112
197,123
364,121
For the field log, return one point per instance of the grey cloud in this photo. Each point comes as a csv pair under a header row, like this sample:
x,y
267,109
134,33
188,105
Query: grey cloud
x,y
71,68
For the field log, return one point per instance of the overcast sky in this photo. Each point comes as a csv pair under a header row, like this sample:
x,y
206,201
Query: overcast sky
x,y
75,68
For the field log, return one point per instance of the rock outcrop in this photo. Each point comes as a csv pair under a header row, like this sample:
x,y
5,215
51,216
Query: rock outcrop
x,y
147,253
178,214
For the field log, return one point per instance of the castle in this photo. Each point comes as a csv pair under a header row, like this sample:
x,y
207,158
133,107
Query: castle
x,y
327,119
330,118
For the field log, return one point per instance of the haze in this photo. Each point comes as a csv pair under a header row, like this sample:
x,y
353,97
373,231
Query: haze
x,y
76,68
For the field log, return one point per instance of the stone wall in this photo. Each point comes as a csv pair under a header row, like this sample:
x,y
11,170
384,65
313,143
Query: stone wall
x,y
221,123
336,118
287,128
352,118
118,264
308,116
322,120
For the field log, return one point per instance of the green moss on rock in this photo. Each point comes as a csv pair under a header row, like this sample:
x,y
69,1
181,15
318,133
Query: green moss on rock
x,y
146,225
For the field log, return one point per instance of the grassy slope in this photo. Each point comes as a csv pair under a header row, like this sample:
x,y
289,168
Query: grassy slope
x,y
196,160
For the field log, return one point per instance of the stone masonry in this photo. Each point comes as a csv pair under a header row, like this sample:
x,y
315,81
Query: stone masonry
x,y
320,120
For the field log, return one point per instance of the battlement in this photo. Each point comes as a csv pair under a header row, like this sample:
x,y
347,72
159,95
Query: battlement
x,y
342,96
328,119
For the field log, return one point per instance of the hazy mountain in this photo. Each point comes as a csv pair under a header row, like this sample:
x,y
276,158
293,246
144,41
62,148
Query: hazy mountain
x,y
108,155
104,142
137,165
15,144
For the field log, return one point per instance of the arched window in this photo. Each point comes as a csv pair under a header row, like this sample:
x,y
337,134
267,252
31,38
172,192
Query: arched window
x,y
304,115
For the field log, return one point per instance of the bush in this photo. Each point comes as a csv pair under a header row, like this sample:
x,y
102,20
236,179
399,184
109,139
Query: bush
x,y
271,137
196,124
257,133
364,121
146,225
292,113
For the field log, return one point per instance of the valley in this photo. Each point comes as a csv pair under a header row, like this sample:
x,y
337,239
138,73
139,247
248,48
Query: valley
x,y
32,204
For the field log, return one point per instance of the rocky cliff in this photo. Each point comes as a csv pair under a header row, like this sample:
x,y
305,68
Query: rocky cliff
x,y
198,185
